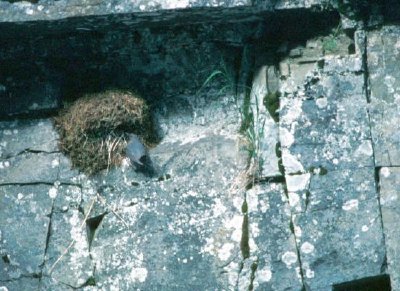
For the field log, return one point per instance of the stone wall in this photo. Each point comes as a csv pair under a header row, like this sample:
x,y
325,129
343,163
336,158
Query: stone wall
x,y
242,198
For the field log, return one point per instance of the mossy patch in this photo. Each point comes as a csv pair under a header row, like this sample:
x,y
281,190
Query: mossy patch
x,y
93,130
271,102
244,241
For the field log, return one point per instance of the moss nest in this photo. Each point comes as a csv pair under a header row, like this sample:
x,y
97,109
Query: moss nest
x,y
94,129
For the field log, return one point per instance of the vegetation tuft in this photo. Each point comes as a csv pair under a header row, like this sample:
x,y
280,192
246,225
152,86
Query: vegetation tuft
x,y
271,102
94,129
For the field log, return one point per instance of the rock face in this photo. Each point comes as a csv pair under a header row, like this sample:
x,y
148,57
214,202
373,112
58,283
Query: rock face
x,y
278,163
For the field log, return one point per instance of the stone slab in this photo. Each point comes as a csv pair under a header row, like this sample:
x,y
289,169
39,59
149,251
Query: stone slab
x,y
183,226
319,125
264,129
75,267
383,61
30,168
272,242
20,284
340,245
333,189
27,135
389,198
24,223
49,10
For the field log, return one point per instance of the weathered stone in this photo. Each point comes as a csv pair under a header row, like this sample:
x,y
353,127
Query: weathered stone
x,y
23,283
319,126
340,245
382,53
186,214
74,267
389,198
272,242
73,56
27,135
262,133
333,189
24,223
51,284
51,10
66,197
183,225
30,168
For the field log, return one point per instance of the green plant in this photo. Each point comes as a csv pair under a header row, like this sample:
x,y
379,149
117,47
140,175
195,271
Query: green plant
x,y
254,132
252,121
271,102
330,43
224,76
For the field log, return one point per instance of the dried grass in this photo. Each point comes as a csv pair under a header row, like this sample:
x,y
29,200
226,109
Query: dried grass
x,y
93,130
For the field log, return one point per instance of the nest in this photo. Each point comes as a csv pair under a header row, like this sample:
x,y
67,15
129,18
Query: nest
x,y
93,130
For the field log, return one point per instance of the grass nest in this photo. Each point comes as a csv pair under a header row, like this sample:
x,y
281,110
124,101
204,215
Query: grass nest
x,y
94,129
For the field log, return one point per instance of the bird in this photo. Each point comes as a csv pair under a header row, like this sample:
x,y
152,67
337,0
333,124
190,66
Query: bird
x,y
135,150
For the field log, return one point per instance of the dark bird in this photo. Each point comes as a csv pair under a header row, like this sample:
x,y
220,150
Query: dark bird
x,y
135,150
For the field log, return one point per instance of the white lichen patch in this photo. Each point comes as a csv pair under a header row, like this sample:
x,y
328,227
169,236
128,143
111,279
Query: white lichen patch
x,y
29,11
252,198
80,252
232,271
365,148
174,4
307,248
289,258
286,137
385,171
226,251
235,224
294,110
390,81
55,163
307,270
350,205
53,192
264,275
298,182
292,165
294,200
297,231
218,208
264,205
138,274
322,102
237,202
254,229
4,164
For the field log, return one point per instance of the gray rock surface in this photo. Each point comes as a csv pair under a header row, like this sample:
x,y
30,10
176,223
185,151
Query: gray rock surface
x,y
329,164
321,211
52,10
382,67
272,243
142,231
150,53
389,199
24,224
265,129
